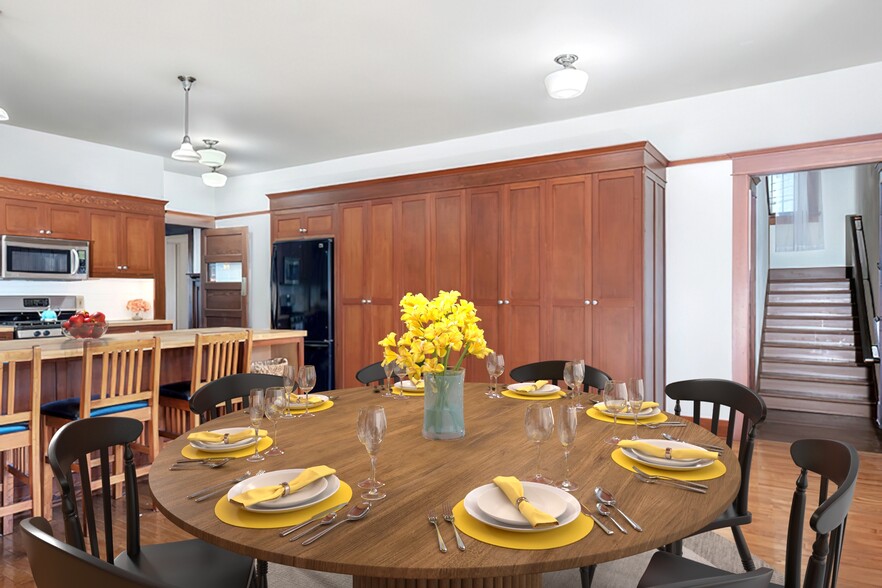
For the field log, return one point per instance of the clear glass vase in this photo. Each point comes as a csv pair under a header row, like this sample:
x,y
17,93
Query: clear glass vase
x,y
443,416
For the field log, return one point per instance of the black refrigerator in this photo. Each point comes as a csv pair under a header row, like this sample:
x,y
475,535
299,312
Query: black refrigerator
x,y
303,299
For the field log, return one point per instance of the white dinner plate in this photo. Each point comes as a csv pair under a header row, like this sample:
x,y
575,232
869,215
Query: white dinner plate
x,y
297,401
306,496
409,386
646,413
667,464
523,388
570,514
220,447
494,502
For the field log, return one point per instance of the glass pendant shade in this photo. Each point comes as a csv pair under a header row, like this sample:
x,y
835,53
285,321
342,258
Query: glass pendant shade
x,y
212,157
186,152
568,82
213,179
3,115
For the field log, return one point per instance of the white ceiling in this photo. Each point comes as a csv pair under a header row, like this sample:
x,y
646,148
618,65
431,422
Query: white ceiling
x,y
287,82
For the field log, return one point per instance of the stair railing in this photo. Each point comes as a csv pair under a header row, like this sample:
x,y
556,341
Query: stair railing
x,y
868,322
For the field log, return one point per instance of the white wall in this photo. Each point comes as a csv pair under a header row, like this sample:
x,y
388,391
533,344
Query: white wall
x,y
109,295
839,198
259,252
188,194
869,208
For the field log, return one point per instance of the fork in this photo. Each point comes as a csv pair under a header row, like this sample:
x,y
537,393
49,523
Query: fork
x,y
211,491
447,513
434,520
665,424
208,464
667,482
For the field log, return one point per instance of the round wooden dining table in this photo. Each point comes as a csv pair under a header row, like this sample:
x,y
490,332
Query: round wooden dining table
x,y
395,545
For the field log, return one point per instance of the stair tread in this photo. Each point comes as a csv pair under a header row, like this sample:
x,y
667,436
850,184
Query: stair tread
x,y
813,396
836,362
827,379
810,329
808,345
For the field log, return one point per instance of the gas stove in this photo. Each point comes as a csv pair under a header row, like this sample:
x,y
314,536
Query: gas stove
x,y
23,314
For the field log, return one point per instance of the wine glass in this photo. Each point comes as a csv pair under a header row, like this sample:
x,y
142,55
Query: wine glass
x,y
615,399
371,428
306,382
567,421
495,367
371,481
255,415
289,380
401,373
568,379
275,404
578,380
539,424
635,396
389,368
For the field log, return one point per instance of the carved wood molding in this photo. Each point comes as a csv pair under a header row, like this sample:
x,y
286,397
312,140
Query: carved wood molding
x,y
50,193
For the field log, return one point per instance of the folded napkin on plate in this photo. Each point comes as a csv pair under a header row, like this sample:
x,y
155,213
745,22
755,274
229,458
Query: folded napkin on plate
x,y
531,386
514,490
264,493
212,437
648,404
300,398
676,452
420,384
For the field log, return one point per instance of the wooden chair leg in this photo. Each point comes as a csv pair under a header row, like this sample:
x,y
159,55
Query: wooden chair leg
x,y
46,475
8,482
743,550
35,480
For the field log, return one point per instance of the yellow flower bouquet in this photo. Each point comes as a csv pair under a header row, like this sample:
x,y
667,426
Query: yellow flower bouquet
x,y
440,334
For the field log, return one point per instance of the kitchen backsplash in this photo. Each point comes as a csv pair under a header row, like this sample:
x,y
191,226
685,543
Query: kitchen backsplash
x,y
109,295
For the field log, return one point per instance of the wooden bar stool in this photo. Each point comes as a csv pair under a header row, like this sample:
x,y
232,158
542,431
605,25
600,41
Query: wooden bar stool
x,y
20,433
214,356
119,378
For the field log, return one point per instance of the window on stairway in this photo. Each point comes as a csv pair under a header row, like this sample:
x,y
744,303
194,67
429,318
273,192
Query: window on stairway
x,y
795,210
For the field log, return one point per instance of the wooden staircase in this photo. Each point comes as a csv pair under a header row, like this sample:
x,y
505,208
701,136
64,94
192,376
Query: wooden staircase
x,y
809,361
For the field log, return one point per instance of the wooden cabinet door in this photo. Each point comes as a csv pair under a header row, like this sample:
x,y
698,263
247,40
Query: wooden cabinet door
x,y
287,226
105,252
383,293
352,287
617,258
139,245
447,227
316,222
411,237
21,217
66,222
568,310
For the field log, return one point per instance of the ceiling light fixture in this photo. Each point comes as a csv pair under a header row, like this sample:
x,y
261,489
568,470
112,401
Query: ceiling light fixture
x,y
3,115
568,82
210,156
214,179
186,151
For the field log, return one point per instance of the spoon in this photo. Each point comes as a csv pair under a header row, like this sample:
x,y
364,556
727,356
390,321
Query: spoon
x,y
327,520
608,499
604,510
359,511
716,448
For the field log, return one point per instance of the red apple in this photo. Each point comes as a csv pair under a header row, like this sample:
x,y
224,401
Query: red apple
x,y
76,320
98,317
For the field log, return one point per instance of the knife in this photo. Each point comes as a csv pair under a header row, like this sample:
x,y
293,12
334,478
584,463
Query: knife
x,y
320,515
587,512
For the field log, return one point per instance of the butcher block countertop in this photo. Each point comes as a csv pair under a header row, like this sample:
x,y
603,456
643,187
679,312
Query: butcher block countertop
x,y
146,323
62,347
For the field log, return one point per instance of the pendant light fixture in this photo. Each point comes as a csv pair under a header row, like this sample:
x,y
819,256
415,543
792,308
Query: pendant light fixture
x,y
214,179
3,115
210,156
568,82
186,151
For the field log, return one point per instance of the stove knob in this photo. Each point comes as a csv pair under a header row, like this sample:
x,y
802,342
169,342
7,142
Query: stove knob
x,y
37,333
46,333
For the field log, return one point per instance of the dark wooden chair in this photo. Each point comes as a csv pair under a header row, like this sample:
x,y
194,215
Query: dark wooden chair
x,y
740,400
373,374
190,563
760,578
210,398
55,564
832,461
553,370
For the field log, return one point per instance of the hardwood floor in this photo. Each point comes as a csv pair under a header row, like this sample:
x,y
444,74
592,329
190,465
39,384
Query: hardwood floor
x,y
772,483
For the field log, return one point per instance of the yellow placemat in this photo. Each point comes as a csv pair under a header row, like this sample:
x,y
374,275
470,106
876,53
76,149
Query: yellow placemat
x,y
596,414
542,540
318,408
191,452
715,470
399,392
239,517
516,396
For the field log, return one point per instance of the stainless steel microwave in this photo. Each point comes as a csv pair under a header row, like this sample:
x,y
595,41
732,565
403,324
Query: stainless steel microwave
x,y
36,258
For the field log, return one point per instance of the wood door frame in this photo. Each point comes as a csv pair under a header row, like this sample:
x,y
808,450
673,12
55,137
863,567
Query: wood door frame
x,y
825,154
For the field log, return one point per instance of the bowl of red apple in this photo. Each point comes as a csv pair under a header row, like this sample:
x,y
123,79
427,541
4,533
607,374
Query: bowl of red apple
x,y
84,325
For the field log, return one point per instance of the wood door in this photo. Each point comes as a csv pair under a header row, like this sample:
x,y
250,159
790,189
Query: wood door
x,y
383,291
105,252
524,273
617,281
352,309
225,277
139,245
66,222
21,217
412,246
568,310
447,227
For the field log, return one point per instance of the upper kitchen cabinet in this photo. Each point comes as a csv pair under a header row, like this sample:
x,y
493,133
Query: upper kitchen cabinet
x,y
123,245
40,219
305,223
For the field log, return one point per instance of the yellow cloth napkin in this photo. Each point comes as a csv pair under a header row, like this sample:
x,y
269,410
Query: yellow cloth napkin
x,y
513,489
676,452
647,404
264,493
531,386
299,398
421,384
212,437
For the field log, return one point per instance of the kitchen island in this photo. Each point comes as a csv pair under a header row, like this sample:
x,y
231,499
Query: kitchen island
x,y
62,357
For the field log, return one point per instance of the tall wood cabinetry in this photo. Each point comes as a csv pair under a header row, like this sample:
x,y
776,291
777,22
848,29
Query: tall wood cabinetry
x,y
562,255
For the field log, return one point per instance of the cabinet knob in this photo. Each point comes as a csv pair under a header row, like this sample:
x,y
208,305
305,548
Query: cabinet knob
x,y
499,302
48,232
508,301
588,302
125,267
302,230
363,301
119,267
369,301
594,302
42,232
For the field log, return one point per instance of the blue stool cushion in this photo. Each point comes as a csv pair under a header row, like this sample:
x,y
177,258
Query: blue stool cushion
x,y
69,408
180,390
13,428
